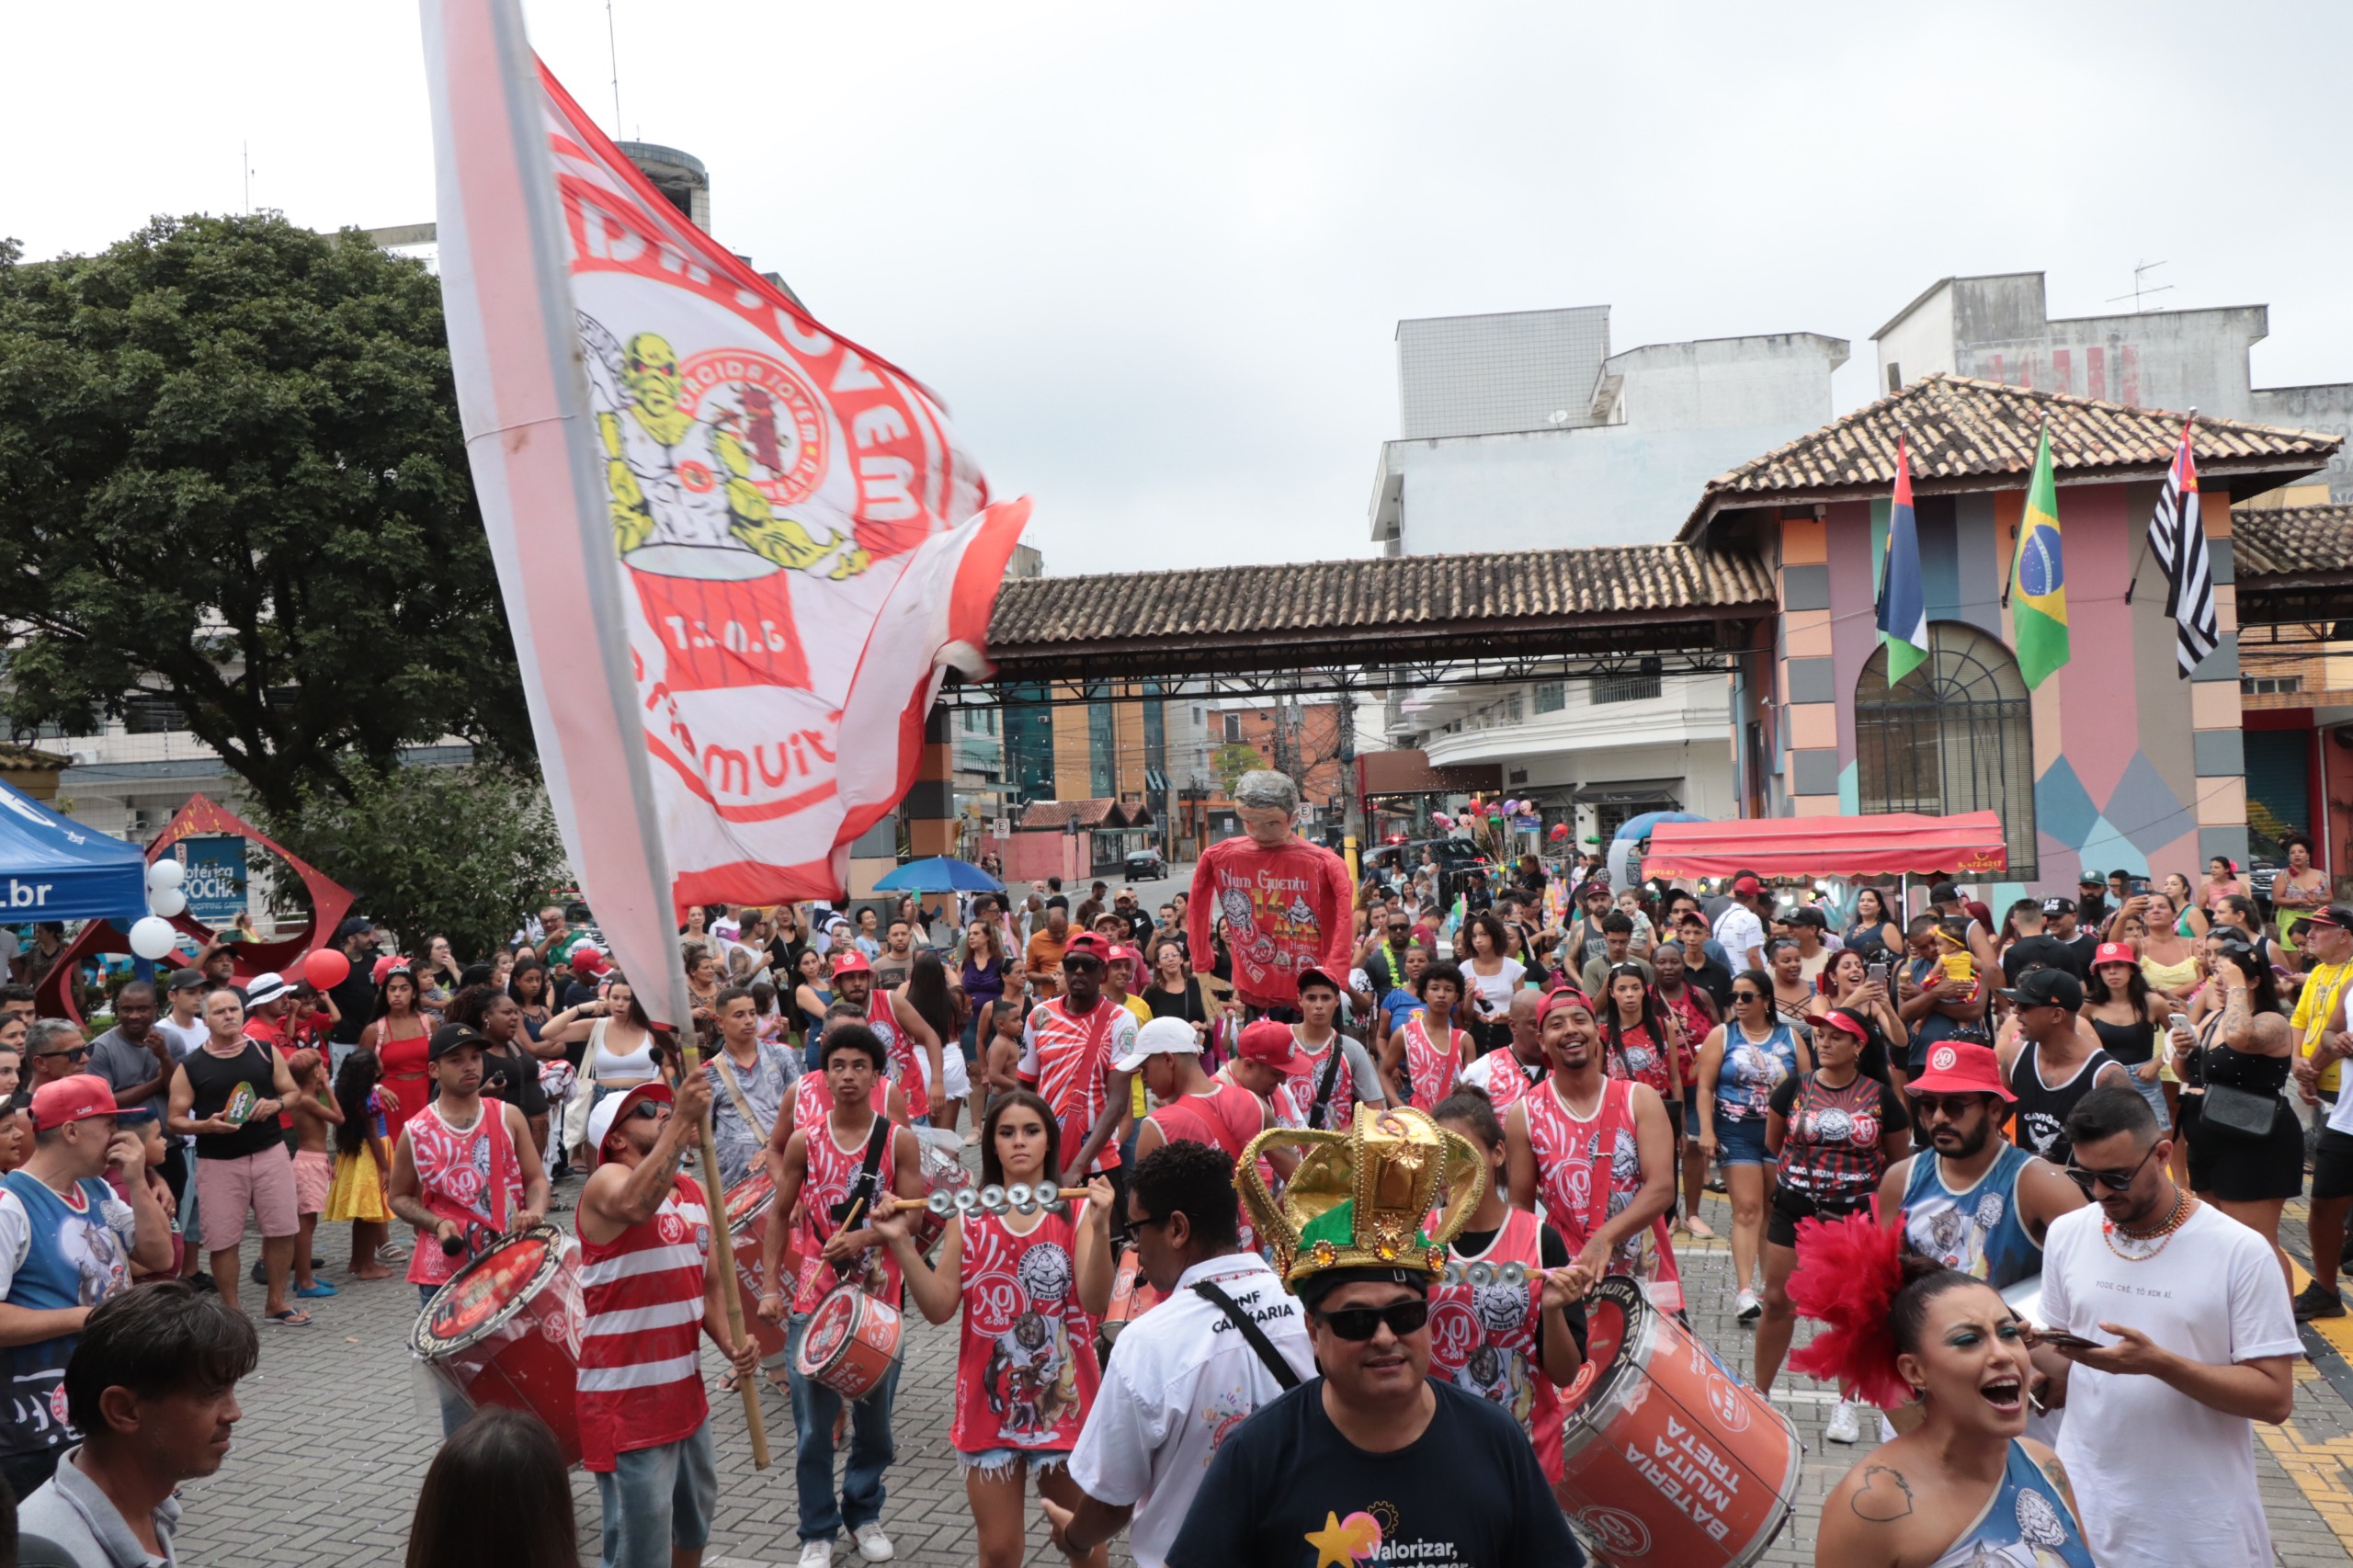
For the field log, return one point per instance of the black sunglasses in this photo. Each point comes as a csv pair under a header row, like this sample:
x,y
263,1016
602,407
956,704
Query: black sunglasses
x,y
1362,1322
1952,1107
1748,995
2115,1181
650,1111
76,1052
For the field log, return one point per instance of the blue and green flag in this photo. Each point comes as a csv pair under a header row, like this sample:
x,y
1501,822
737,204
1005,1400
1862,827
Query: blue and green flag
x,y
1903,602
2040,573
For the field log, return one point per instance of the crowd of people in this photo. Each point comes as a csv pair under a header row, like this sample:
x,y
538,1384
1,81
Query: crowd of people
x,y
2028,1174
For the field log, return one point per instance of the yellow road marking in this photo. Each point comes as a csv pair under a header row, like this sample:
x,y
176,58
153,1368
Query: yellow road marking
x,y
2318,1469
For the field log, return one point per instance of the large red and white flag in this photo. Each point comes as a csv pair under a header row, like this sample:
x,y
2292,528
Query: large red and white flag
x,y
737,551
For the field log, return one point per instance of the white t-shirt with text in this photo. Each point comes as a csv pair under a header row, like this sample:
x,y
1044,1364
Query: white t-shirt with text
x,y
2161,1478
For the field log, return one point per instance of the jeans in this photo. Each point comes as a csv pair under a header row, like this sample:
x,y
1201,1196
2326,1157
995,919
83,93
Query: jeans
x,y
454,1408
655,1499
814,1406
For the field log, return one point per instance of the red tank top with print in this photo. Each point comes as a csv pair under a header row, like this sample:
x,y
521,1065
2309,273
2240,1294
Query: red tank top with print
x,y
1505,1080
1432,1067
1298,1089
1590,1168
832,1172
1227,1118
472,1176
1639,1059
642,1301
906,1067
1695,1025
1026,1371
1483,1340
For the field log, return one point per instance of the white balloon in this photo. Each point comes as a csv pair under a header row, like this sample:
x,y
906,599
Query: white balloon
x,y
166,902
151,939
164,873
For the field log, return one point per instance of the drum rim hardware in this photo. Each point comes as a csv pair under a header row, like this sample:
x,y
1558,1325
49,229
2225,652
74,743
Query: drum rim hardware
x,y
558,1242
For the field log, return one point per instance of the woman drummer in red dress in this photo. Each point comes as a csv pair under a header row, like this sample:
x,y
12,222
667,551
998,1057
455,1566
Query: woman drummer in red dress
x,y
1033,1288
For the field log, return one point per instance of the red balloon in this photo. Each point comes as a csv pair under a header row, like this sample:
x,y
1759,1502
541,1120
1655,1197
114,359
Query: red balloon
x,y
326,969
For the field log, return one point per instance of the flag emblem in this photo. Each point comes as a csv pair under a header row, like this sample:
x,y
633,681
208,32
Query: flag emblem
x,y
2039,573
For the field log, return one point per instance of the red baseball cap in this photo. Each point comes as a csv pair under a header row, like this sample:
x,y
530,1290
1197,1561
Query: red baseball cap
x,y
2115,953
1272,1043
1087,942
1562,996
586,959
1747,887
852,962
1120,954
83,1095
1957,1067
1316,972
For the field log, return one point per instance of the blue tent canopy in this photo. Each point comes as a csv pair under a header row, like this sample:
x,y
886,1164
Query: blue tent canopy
x,y
940,873
54,869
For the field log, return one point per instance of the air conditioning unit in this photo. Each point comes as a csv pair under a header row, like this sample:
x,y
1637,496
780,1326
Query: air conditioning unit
x,y
141,824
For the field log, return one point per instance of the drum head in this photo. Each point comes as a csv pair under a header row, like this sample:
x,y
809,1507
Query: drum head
x,y
482,1296
749,1200
1613,1316
829,1329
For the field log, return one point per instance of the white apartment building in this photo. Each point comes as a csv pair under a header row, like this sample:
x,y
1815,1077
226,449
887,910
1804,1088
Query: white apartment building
x,y
1523,431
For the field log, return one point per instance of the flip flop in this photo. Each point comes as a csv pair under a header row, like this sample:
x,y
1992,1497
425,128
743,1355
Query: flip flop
x,y
315,1289
293,1317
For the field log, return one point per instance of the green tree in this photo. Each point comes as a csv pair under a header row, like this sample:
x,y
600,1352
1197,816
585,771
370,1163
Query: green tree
x,y
463,851
1230,761
230,474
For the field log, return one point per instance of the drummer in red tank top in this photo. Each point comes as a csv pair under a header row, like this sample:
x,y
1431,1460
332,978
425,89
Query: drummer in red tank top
x,y
1033,1288
821,1170
1190,1104
811,1102
1599,1152
650,1288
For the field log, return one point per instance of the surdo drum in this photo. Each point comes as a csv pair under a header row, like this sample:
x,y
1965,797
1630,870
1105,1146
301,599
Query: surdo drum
x,y
851,1344
506,1331
749,1202
1666,1456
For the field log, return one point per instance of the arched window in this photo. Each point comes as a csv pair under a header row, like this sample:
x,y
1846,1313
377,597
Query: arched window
x,y
1954,736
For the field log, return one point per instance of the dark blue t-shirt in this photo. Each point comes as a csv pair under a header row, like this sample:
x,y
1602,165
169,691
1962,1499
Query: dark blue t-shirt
x,y
1288,1491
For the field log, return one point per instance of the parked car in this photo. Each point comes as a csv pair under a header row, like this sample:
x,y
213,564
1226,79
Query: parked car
x,y
1145,866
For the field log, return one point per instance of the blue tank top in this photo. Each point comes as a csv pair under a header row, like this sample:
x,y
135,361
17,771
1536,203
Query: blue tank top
x,y
1752,1070
1977,1232
75,1260
2025,1522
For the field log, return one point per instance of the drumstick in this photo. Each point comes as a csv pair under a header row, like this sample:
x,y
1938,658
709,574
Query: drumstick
x,y
724,1242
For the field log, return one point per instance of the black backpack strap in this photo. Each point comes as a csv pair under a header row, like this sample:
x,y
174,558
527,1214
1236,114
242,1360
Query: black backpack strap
x,y
1276,1366
1324,1090
859,1200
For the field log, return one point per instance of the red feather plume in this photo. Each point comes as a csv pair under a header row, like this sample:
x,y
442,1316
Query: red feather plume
x,y
1848,1273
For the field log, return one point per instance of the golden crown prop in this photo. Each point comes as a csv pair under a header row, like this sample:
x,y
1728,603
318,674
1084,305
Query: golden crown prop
x,y
1359,1199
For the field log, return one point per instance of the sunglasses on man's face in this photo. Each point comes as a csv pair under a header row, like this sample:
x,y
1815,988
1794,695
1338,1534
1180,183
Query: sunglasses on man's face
x,y
1952,1107
77,1052
646,1113
1362,1322
2115,1181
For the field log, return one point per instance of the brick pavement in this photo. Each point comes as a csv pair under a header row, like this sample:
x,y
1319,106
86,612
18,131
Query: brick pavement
x,y
338,1429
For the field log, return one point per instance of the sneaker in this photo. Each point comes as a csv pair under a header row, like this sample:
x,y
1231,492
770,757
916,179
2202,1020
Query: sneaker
x,y
1747,1308
2314,1302
872,1544
1843,1427
259,1275
816,1554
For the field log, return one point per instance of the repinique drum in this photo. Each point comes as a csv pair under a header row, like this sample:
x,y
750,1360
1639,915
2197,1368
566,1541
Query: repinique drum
x,y
749,1202
1666,1456
852,1343
505,1330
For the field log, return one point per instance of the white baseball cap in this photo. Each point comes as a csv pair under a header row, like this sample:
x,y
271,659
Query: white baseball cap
x,y
1162,1037
610,1110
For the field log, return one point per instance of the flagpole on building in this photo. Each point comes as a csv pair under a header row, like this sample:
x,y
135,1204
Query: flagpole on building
x,y
2010,576
2142,558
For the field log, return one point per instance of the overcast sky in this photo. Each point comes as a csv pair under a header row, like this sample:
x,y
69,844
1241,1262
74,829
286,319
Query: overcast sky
x,y
1154,254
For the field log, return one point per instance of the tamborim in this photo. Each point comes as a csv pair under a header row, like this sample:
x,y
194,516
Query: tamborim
x,y
851,1344
505,1330
1666,1456
749,1202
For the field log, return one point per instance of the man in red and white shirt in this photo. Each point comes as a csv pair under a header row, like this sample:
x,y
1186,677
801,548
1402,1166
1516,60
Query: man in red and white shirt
x,y
1286,903
1191,1105
1067,1048
650,1287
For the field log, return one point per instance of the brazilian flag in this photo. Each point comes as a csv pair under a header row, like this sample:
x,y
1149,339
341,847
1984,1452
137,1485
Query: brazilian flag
x,y
2040,573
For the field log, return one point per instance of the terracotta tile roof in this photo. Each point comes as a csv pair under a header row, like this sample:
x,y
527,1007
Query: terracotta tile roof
x,y
1382,595
2292,541
1105,812
1963,432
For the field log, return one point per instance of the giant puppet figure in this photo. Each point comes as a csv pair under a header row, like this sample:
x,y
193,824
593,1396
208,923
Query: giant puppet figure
x,y
1284,902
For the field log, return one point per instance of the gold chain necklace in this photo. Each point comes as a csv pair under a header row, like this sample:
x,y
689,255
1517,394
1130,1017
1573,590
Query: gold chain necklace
x,y
2162,1236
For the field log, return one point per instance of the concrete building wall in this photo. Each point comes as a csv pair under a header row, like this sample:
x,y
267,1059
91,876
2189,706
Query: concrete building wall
x,y
1511,371
2327,408
1724,384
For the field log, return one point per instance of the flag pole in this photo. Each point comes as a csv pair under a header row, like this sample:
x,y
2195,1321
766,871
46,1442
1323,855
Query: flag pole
x,y
2142,558
2010,575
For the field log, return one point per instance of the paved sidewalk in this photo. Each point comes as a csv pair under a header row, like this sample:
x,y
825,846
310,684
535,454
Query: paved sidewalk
x,y
338,1430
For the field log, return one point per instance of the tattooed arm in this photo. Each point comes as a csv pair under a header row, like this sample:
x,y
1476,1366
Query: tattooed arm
x,y
620,1194
2048,1462
1868,1520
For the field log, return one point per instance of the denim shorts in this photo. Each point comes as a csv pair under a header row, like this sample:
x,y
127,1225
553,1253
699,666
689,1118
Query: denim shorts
x,y
1740,1141
657,1500
1000,1461
1690,1112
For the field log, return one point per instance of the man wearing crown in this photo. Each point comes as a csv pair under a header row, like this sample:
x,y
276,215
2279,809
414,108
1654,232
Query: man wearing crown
x,y
1372,1461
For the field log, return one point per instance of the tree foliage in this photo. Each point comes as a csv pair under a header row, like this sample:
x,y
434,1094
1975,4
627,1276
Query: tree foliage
x,y
230,472
1230,761
463,851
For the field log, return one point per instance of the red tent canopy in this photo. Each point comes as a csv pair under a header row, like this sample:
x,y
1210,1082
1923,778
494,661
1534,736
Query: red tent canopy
x,y
1828,847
